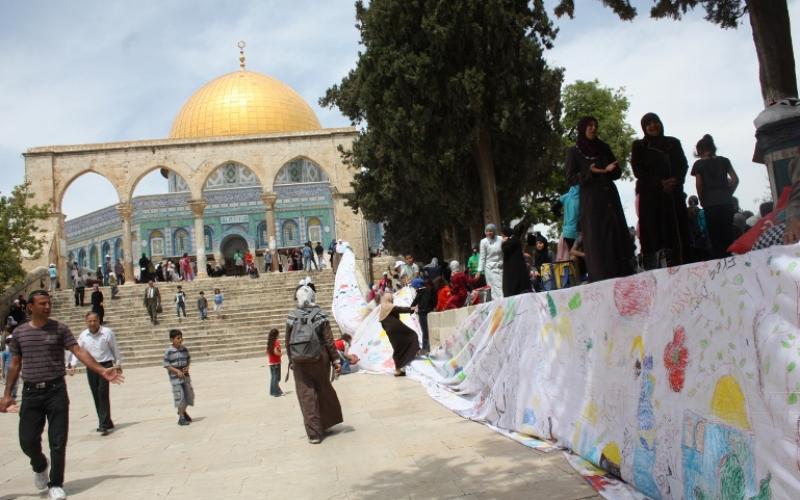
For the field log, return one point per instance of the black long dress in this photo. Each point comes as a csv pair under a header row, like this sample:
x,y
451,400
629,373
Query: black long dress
x,y
404,340
606,240
663,219
516,277
97,305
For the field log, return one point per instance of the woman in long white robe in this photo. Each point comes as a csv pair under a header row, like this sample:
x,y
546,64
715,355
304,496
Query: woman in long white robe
x,y
491,261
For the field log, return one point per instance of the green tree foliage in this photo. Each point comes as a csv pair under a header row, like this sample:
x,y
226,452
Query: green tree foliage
x,y
443,90
19,233
609,106
769,20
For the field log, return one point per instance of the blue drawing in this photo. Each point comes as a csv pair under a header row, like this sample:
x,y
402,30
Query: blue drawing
x,y
644,454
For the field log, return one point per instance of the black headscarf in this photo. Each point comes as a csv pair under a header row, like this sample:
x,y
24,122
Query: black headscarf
x,y
541,256
590,148
657,140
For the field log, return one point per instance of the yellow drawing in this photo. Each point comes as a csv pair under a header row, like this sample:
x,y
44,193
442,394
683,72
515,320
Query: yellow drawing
x,y
638,344
728,403
562,327
497,318
612,453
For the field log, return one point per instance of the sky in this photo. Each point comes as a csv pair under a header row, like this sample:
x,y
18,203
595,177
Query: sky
x,y
92,71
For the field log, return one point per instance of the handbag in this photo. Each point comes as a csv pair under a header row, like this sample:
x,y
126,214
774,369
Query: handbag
x,y
159,309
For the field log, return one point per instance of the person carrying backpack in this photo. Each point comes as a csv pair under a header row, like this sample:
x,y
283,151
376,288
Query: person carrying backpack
x,y
312,355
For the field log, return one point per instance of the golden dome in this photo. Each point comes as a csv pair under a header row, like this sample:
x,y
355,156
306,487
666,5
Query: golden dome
x,y
242,103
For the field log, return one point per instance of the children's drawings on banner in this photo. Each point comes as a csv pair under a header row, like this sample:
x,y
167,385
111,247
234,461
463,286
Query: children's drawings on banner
x,y
683,382
370,342
349,307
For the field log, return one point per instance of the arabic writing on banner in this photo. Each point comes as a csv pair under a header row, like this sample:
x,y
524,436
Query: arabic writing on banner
x,y
684,382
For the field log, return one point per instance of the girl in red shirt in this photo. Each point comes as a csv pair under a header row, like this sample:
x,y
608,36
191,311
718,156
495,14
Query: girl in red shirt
x,y
274,361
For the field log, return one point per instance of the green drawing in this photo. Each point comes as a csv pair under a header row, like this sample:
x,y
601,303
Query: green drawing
x,y
575,301
738,279
791,367
552,305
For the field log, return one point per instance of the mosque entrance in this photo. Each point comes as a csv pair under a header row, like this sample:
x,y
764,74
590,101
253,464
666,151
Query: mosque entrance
x,y
229,246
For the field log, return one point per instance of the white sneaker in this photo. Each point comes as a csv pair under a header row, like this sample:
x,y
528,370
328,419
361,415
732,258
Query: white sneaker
x,y
57,493
40,479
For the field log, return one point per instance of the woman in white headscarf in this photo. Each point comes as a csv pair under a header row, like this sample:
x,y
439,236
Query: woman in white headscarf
x,y
318,400
404,340
491,261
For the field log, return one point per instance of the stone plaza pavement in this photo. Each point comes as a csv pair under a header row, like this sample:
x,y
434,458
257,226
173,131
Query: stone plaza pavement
x,y
395,442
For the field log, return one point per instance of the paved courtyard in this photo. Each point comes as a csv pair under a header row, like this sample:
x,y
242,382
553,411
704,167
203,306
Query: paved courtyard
x,y
396,442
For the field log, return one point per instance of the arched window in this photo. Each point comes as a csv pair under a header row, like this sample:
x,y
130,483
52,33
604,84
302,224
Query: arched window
x,y
93,259
180,242
300,171
231,174
291,234
105,252
81,258
263,237
208,236
314,229
156,244
117,250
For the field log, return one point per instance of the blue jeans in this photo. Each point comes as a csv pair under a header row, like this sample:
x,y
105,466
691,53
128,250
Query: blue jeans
x,y
203,313
307,261
275,378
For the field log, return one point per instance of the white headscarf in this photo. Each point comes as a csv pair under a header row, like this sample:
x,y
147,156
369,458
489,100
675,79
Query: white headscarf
x,y
306,297
455,266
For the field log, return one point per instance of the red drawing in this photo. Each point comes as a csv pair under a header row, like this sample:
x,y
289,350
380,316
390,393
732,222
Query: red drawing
x,y
676,357
633,296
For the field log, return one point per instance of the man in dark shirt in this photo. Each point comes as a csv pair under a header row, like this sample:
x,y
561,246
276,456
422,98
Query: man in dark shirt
x,y
38,351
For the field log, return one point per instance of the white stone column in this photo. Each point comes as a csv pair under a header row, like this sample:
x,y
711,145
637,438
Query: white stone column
x,y
125,211
198,206
269,200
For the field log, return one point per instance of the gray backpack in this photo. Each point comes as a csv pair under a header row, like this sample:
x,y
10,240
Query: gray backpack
x,y
305,344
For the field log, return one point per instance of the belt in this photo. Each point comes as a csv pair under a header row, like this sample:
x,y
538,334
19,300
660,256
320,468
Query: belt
x,y
40,386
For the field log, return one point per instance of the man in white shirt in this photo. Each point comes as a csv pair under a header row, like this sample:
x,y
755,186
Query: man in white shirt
x,y
100,342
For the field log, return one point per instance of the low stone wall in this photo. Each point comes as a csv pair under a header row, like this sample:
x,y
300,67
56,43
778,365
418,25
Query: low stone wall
x,y
442,325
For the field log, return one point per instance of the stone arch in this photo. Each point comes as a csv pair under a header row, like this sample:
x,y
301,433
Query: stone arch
x,y
61,191
146,170
221,167
301,158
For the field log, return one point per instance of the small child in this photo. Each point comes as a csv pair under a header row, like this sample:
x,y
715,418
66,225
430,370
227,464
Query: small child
x,y
349,361
202,306
180,302
177,361
274,360
218,298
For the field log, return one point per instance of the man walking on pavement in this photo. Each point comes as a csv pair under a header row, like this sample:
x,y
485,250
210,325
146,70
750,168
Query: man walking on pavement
x,y
100,342
37,350
152,299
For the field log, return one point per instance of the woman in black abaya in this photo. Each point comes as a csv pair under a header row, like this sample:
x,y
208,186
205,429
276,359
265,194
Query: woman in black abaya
x,y
606,240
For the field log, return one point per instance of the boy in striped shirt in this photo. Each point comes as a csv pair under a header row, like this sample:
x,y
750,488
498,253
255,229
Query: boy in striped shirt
x,y
177,361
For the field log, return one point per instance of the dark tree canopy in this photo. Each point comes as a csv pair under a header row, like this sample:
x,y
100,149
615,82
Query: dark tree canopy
x,y
19,233
446,93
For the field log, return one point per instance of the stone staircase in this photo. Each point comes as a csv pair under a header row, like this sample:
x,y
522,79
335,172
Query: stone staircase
x,y
252,307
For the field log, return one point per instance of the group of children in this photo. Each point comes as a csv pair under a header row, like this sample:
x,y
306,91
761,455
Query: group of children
x,y
202,303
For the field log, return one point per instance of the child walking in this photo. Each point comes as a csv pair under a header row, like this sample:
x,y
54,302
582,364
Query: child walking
x,y
274,360
202,306
177,361
180,302
218,298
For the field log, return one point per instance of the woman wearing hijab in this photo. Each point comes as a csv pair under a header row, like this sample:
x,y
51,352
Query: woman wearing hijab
x,y
318,400
405,343
516,278
97,303
433,270
660,168
541,255
491,261
460,283
606,240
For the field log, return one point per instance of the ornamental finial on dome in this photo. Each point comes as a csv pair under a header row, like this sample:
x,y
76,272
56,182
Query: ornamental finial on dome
x,y
241,46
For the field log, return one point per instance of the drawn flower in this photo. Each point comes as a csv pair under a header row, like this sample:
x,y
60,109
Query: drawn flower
x,y
676,357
